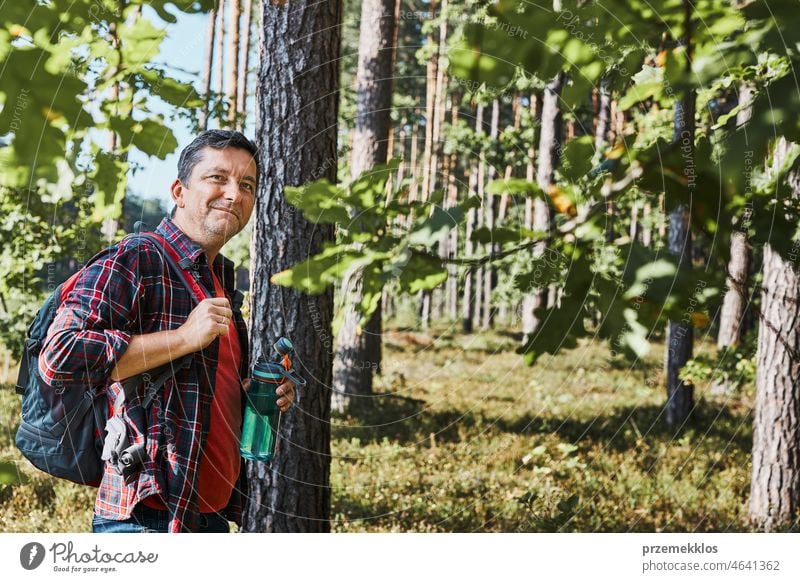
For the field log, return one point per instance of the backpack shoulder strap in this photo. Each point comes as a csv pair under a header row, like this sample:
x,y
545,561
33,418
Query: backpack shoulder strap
x,y
153,380
173,261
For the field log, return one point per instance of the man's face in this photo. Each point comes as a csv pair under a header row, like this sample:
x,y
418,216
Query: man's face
x,y
219,197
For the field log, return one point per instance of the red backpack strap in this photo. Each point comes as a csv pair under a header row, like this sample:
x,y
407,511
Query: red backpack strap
x,y
173,260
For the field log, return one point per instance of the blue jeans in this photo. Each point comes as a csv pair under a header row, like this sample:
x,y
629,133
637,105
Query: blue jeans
x,y
148,520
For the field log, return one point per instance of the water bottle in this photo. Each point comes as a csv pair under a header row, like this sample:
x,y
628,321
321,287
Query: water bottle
x,y
261,414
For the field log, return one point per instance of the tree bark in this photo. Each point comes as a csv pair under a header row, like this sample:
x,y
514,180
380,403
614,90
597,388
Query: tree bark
x,y
680,334
775,482
297,96
241,93
233,62
358,353
549,148
733,306
437,72
468,303
220,48
490,208
208,65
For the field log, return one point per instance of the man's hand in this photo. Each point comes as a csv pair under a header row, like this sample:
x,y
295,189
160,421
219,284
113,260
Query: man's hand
x,y
207,321
285,392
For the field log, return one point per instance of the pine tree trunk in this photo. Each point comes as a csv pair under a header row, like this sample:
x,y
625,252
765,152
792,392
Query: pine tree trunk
x,y
490,209
437,67
549,146
733,306
775,482
220,48
208,64
452,200
233,62
528,300
297,97
359,353
241,93
468,302
680,334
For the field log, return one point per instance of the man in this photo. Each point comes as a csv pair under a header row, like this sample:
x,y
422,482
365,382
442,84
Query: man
x,y
128,314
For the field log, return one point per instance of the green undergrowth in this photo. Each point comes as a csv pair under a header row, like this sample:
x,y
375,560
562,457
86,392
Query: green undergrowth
x,y
464,437
470,439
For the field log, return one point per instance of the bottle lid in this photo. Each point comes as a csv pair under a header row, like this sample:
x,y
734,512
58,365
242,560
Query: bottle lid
x,y
268,371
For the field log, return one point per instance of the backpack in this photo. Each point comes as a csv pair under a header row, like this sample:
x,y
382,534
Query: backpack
x,y
61,431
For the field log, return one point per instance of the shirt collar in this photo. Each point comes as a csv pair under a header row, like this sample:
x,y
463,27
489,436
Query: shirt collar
x,y
191,251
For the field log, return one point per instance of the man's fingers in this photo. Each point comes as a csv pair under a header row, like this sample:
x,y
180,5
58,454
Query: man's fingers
x,y
221,311
219,302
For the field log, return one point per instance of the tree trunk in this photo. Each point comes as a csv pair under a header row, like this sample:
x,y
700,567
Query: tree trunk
x,y
452,200
490,208
680,334
468,311
297,96
436,71
775,482
600,143
733,306
357,353
208,65
549,146
241,93
220,48
233,62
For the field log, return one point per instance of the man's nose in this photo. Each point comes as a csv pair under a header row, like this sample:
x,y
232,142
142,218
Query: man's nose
x,y
232,190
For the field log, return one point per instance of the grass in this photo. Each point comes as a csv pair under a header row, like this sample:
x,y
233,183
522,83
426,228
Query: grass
x,y
575,443
473,440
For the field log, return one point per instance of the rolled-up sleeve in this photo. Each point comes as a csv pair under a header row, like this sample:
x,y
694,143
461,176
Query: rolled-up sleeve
x,y
94,325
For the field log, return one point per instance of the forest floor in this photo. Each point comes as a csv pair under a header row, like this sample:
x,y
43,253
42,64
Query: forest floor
x,y
471,439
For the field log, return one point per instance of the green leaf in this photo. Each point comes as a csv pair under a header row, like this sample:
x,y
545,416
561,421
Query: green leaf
x,y
577,157
314,275
140,42
422,272
430,230
320,202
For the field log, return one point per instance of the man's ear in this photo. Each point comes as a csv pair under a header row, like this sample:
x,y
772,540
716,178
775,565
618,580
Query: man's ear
x,y
177,189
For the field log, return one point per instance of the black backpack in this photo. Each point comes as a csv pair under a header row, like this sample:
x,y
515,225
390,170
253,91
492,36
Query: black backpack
x,y
61,431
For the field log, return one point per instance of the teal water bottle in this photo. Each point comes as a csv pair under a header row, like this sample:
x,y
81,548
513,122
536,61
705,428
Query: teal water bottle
x,y
261,414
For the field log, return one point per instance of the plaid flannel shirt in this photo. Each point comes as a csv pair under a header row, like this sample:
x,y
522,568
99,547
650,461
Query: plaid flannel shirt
x,y
131,291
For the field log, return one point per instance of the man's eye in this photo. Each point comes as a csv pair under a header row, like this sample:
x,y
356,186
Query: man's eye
x,y
247,186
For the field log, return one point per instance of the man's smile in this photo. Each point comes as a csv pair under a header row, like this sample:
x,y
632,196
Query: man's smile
x,y
228,210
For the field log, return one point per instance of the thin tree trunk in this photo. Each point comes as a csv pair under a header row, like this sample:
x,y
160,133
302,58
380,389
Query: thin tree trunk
x,y
528,300
220,48
490,209
437,73
549,146
680,334
481,185
208,64
233,62
297,95
775,482
468,303
733,306
359,353
241,94
413,166
601,142
452,200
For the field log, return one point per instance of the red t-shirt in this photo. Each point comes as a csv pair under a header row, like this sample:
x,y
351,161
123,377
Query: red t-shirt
x,y
220,463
